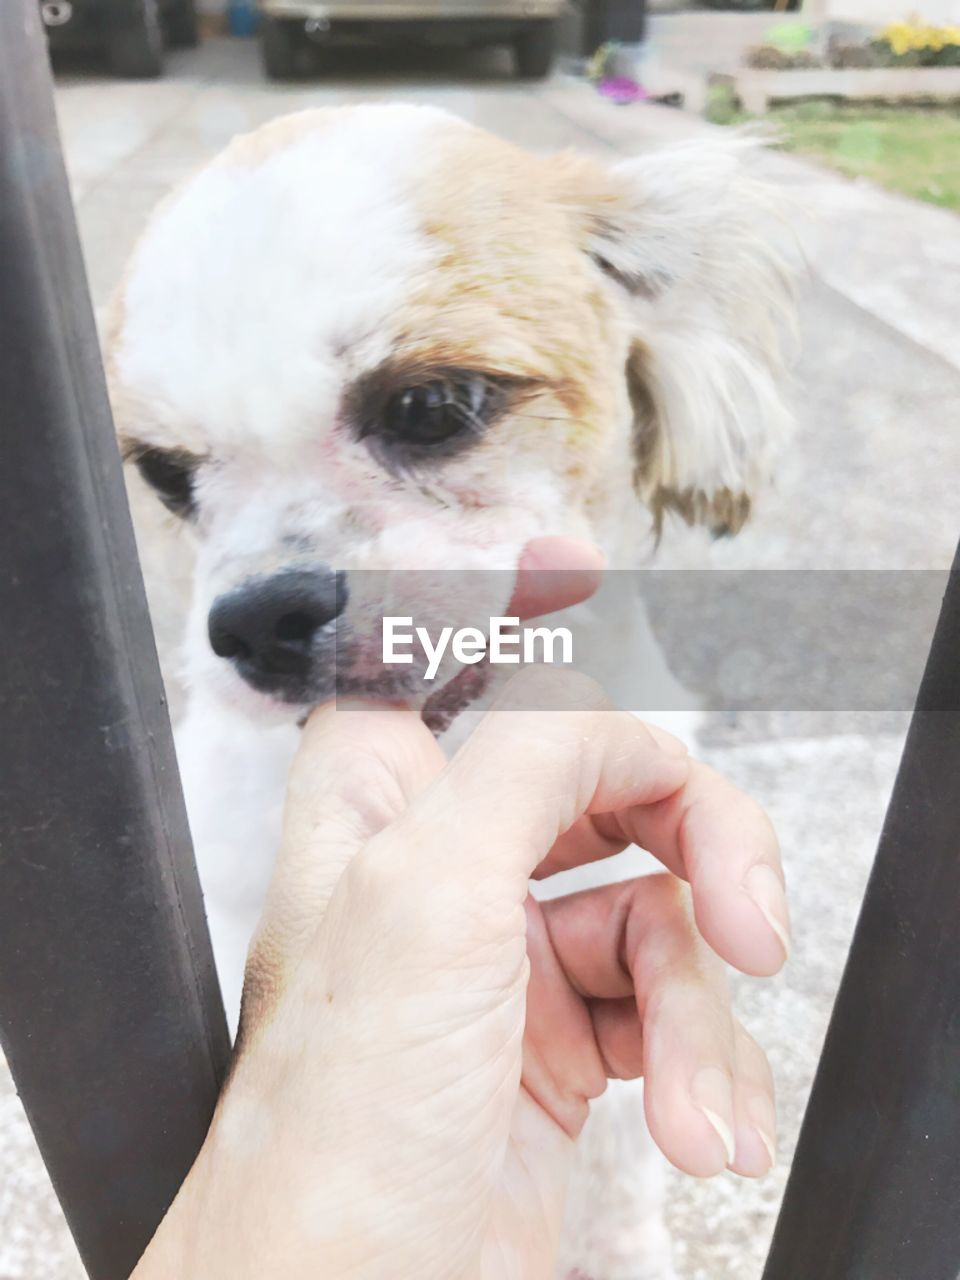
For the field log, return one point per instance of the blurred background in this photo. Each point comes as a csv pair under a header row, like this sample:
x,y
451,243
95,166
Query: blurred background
x,y
863,96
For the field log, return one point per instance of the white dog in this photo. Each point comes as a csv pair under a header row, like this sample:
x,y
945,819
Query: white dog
x,y
379,338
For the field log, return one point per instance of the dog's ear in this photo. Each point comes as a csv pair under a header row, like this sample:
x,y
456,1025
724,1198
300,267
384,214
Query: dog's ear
x,y
695,240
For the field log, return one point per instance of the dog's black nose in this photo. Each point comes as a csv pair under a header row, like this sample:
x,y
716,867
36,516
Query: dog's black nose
x,y
267,627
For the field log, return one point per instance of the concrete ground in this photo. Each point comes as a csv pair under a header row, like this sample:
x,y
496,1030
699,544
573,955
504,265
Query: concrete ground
x,y
870,482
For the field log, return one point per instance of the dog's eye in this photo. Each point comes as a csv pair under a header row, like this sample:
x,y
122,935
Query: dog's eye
x,y
170,473
436,411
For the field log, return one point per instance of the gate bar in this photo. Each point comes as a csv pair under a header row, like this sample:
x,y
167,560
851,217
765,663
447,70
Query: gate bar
x,y
874,1192
110,1013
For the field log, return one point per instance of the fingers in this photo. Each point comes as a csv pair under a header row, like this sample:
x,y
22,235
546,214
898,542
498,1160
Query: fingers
x,y
553,574
597,835
355,770
563,1082
709,1092
619,1034
659,1005
754,1107
719,839
493,813
524,777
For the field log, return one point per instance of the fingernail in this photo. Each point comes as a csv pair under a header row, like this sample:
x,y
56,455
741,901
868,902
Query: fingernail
x,y
768,1143
763,885
712,1092
764,1120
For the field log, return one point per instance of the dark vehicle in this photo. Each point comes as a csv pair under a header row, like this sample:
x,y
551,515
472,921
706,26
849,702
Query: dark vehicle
x,y
289,27
132,33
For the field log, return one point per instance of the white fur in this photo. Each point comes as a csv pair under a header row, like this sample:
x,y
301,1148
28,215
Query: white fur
x,y
234,775
257,291
705,237
256,295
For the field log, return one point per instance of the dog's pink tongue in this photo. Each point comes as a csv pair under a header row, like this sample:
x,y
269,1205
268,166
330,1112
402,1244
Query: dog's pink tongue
x,y
555,573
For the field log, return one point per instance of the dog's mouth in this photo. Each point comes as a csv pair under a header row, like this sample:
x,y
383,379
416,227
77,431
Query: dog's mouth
x,y
443,707
441,666
438,710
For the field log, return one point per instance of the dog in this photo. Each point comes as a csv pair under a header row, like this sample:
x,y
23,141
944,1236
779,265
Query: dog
x,y
373,339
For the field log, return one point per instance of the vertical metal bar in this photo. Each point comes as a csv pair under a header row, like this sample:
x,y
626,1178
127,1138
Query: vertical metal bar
x,y
874,1192
110,1014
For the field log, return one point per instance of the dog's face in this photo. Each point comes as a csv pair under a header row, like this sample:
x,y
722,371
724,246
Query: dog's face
x,y
381,339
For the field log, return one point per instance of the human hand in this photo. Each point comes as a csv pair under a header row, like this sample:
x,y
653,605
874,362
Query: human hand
x,y
420,1041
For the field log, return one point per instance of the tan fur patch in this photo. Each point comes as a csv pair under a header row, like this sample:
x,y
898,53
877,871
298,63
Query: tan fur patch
x,y
724,513
513,290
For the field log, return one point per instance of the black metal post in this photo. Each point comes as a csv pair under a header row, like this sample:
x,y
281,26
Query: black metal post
x,y
110,1014
874,1193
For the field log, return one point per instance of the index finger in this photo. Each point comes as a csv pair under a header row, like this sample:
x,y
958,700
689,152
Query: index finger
x,y
523,777
356,768
720,840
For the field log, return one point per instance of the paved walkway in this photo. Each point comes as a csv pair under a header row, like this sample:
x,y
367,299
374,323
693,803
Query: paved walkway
x,y
871,481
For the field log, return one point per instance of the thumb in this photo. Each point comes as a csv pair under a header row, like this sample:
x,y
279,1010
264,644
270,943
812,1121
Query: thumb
x,y
357,767
553,574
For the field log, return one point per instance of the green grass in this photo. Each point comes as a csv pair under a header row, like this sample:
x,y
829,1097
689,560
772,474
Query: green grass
x,y
912,150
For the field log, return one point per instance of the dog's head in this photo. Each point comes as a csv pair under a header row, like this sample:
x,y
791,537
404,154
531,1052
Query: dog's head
x,y
380,338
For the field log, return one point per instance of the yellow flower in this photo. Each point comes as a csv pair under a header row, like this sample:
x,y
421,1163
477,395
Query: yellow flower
x,y
899,36
914,35
919,36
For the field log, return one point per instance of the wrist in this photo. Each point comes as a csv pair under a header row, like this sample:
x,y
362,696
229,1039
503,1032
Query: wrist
x,y
189,1228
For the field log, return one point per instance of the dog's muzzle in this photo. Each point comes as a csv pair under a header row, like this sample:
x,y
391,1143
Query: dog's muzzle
x,y
275,628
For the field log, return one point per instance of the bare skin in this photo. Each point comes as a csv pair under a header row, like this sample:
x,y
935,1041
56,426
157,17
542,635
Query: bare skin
x,y
420,1040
